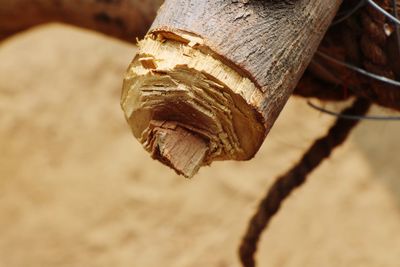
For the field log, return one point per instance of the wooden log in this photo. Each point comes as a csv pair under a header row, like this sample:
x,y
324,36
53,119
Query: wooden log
x,y
218,71
124,19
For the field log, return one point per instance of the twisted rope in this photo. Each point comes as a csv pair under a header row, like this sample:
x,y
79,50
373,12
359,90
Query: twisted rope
x,y
295,177
373,45
360,50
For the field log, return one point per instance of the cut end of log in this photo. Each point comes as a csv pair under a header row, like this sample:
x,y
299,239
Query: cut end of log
x,y
188,108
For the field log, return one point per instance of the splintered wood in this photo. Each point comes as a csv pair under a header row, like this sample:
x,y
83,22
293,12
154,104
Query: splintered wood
x,y
168,139
188,108
221,76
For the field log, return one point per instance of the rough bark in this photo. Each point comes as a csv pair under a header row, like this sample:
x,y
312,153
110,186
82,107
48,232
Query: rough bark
x,y
222,71
124,19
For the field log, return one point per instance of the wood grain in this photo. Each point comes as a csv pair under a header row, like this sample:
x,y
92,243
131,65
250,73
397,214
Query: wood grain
x,y
271,42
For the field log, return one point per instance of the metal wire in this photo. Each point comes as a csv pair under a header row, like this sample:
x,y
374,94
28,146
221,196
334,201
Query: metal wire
x,y
395,19
348,13
359,70
353,117
319,151
383,11
397,26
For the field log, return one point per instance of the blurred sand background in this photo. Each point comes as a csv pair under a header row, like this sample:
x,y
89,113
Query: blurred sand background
x,y
77,190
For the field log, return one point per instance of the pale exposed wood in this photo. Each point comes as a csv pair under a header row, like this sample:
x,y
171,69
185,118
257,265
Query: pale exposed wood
x,y
183,86
124,19
222,70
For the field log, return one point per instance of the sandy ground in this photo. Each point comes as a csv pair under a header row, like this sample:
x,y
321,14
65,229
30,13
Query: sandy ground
x,y
77,190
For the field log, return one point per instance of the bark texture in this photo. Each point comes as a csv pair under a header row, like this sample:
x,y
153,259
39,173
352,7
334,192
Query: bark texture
x,y
271,42
124,19
222,70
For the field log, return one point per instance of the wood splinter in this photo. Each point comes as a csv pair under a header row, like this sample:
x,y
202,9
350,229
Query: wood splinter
x,y
204,87
169,139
